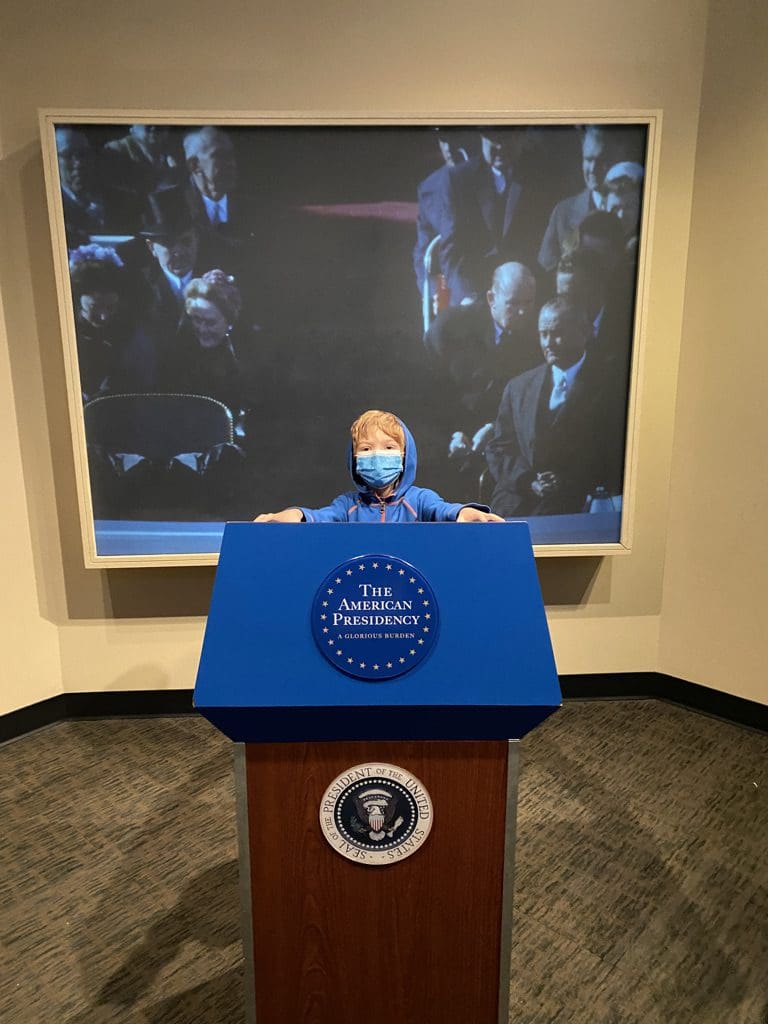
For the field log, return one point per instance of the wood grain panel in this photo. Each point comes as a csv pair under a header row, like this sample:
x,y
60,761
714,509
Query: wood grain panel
x,y
416,942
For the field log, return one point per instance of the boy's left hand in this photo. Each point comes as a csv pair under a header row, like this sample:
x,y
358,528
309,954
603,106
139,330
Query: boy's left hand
x,y
476,515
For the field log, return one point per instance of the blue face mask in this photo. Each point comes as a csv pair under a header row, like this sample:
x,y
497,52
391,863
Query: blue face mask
x,y
378,469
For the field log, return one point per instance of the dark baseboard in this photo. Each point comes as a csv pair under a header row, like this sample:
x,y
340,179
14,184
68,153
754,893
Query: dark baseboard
x,y
658,686
628,685
45,712
119,704
124,703
619,686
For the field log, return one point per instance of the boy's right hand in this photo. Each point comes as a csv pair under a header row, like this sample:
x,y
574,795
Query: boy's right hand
x,y
288,515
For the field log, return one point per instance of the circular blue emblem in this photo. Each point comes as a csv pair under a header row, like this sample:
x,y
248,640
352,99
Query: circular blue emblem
x,y
375,617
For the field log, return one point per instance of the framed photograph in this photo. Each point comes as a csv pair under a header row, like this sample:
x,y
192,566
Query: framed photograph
x,y
235,291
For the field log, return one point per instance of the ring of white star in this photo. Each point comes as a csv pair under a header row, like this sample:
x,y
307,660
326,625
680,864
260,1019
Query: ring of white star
x,y
363,567
379,781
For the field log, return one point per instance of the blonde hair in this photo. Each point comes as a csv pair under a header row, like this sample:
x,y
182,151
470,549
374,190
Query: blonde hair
x,y
217,287
373,419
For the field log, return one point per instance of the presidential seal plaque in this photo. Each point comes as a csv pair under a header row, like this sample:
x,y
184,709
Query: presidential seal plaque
x,y
376,814
375,617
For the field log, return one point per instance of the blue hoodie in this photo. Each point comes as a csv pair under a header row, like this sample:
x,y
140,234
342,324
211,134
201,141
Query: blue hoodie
x,y
406,504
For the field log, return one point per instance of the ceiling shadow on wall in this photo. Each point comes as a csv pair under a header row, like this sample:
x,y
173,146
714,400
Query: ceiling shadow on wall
x,y
159,593
574,581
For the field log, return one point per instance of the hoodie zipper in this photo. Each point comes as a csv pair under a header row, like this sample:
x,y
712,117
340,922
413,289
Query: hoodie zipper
x,y
383,510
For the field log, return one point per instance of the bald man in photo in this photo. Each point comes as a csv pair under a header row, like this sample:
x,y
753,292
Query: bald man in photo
x,y
477,348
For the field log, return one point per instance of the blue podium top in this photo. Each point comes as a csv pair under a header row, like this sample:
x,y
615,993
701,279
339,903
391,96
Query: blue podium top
x,y
392,631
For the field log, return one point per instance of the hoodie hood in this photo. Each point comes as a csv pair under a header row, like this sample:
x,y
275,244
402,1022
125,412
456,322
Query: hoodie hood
x,y
407,477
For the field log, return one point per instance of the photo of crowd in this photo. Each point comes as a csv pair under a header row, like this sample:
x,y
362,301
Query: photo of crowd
x,y
241,294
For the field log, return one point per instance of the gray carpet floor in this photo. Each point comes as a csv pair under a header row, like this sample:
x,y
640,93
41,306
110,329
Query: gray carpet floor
x,y
641,890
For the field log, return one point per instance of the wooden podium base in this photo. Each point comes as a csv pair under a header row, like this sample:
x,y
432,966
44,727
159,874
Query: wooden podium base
x,y
425,940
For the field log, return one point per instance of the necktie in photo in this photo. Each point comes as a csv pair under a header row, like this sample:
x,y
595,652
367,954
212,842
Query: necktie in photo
x,y
558,394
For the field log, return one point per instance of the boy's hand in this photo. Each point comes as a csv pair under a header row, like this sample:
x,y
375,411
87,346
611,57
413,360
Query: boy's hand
x,y
476,515
288,515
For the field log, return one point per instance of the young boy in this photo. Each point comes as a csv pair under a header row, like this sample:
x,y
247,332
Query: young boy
x,y
382,461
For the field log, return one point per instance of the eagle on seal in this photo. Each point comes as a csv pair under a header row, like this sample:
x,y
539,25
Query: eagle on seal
x,y
376,813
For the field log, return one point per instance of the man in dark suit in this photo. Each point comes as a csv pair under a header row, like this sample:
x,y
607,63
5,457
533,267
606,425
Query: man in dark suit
x,y
178,256
224,216
477,348
582,278
215,202
429,195
91,206
559,433
143,161
600,275
488,215
596,157
623,187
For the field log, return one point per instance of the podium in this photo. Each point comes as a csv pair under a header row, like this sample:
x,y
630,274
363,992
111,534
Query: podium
x,y
377,680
